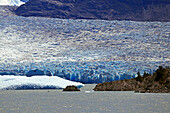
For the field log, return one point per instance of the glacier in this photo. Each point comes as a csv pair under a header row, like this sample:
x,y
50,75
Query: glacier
x,y
36,82
12,2
87,51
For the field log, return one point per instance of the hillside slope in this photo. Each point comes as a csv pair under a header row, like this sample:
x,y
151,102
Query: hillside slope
x,y
140,10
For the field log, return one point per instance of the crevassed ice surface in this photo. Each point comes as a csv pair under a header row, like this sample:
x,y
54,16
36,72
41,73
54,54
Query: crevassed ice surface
x,y
110,48
11,2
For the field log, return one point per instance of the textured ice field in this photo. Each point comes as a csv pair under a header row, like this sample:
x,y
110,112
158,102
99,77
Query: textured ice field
x,y
38,39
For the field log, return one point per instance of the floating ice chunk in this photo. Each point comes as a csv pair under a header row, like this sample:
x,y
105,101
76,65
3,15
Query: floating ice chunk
x,y
89,91
35,82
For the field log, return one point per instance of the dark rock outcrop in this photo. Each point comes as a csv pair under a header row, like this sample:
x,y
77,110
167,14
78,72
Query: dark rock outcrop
x,y
159,82
71,88
140,10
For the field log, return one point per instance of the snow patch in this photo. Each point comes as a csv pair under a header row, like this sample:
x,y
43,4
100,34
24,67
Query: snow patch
x,y
11,2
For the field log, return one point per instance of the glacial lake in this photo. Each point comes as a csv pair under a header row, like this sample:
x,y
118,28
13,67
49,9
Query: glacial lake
x,y
85,101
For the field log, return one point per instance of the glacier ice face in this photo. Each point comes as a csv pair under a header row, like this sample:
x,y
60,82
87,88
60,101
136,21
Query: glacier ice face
x,y
36,82
12,2
85,72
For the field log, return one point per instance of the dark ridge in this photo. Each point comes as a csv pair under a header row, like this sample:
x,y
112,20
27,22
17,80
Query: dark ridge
x,y
137,10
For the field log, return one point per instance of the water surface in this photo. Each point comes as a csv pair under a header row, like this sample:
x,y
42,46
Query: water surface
x,y
86,101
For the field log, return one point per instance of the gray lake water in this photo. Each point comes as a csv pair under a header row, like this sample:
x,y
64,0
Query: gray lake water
x,y
86,101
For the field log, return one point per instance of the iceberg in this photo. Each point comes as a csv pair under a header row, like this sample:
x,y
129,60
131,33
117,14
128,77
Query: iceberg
x,y
35,82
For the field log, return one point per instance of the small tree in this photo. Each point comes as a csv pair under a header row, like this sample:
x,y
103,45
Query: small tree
x,y
160,74
139,78
138,74
145,74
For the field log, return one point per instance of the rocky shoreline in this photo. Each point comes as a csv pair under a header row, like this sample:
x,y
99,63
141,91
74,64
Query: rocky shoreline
x,y
159,82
